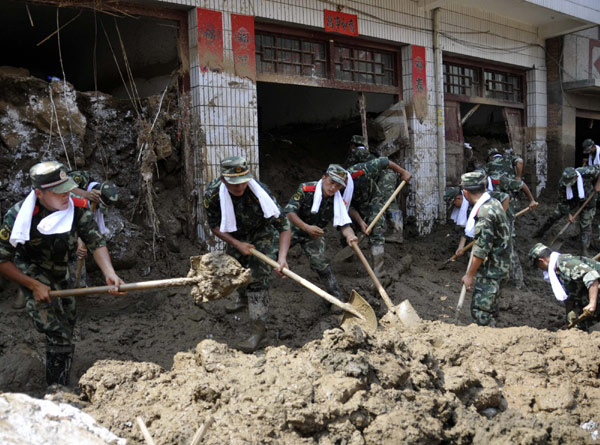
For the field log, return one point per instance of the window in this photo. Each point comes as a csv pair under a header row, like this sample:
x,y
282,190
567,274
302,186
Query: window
x,y
503,86
461,80
363,66
289,56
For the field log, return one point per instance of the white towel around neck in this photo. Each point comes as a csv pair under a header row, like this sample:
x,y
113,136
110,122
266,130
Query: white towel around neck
x,y
228,222
470,227
490,186
59,221
341,204
595,160
580,188
459,215
98,215
557,287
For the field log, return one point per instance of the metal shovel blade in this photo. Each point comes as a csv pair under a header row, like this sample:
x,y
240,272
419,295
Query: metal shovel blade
x,y
369,323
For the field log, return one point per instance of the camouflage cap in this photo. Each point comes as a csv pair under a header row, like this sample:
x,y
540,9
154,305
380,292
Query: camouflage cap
x,y
451,193
337,173
51,175
234,170
588,146
568,177
539,250
493,151
109,194
357,140
473,179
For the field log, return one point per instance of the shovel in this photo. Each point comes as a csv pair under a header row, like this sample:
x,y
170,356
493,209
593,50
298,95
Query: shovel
x,y
468,246
348,251
463,291
583,316
357,308
557,246
140,285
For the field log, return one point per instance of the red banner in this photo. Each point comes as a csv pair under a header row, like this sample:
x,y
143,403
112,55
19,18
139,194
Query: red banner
x,y
341,23
210,39
242,40
419,82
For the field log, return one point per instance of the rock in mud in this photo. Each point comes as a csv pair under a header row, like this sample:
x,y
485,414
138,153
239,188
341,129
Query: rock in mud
x,y
218,275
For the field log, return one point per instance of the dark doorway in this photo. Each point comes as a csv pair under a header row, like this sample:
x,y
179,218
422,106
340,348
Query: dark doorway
x,y
585,129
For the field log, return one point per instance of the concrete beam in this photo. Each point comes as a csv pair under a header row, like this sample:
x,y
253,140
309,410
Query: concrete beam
x,y
432,4
562,27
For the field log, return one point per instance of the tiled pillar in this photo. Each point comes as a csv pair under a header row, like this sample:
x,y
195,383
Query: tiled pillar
x,y
421,159
536,156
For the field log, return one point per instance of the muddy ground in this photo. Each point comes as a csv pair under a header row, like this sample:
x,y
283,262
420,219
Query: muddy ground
x,y
158,355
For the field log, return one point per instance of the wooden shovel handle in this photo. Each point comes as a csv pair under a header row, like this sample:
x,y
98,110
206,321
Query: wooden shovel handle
x,y
320,292
141,285
463,291
382,292
385,207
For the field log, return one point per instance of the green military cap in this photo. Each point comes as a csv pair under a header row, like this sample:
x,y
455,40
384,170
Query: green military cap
x,y
538,251
568,177
357,140
51,175
473,179
337,173
451,193
109,195
588,146
493,151
234,170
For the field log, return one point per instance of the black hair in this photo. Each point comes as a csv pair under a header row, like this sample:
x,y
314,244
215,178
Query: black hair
x,y
475,188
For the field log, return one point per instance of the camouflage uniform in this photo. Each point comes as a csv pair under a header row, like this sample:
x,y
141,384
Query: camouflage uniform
x,y
577,274
570,206
253,228
45,258
503,165
367,198
492,241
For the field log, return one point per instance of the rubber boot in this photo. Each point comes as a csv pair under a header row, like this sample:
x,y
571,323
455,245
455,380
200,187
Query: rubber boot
x,y
378,260
19,302
256,335
58,364
586,239
396,226
239,303
329,282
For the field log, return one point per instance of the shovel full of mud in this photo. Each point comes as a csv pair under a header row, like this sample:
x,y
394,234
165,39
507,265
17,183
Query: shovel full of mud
x,y
212,276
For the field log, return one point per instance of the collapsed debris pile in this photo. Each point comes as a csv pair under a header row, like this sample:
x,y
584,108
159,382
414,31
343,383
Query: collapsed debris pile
x,y
434,383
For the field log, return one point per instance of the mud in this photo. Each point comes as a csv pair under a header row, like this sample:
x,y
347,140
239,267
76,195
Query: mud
x,y
160,355
217,275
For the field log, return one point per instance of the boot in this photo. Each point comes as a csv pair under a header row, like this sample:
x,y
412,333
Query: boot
x,y
58,364
239,303
396,226
19,302
329,282
586,239
257,334
378,260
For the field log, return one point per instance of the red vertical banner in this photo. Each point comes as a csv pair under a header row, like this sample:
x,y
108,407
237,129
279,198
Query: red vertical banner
x,y
243,43
210,39
419,82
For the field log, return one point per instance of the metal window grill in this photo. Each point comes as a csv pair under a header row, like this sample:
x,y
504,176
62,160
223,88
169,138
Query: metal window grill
x,y
290,56
363,66
503,86
461,80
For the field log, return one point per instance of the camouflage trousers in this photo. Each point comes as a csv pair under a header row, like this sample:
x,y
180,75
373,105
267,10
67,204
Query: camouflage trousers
x,y
56,320
313,248
484,304
585,217
267,242
368,212
516,271
387,183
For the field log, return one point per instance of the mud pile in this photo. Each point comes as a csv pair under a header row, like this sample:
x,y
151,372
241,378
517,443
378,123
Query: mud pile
x,y
430,384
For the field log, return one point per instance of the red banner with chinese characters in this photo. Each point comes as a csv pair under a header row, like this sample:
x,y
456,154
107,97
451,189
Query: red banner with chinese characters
x,y
242,40
210,39
419,82
341,23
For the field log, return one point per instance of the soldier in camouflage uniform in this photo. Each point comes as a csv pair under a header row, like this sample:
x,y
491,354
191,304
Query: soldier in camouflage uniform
x,y
591,182
578,277
35,254
387,181
591,150
251,230
512,186
368,200
504,164
308,227
491,252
